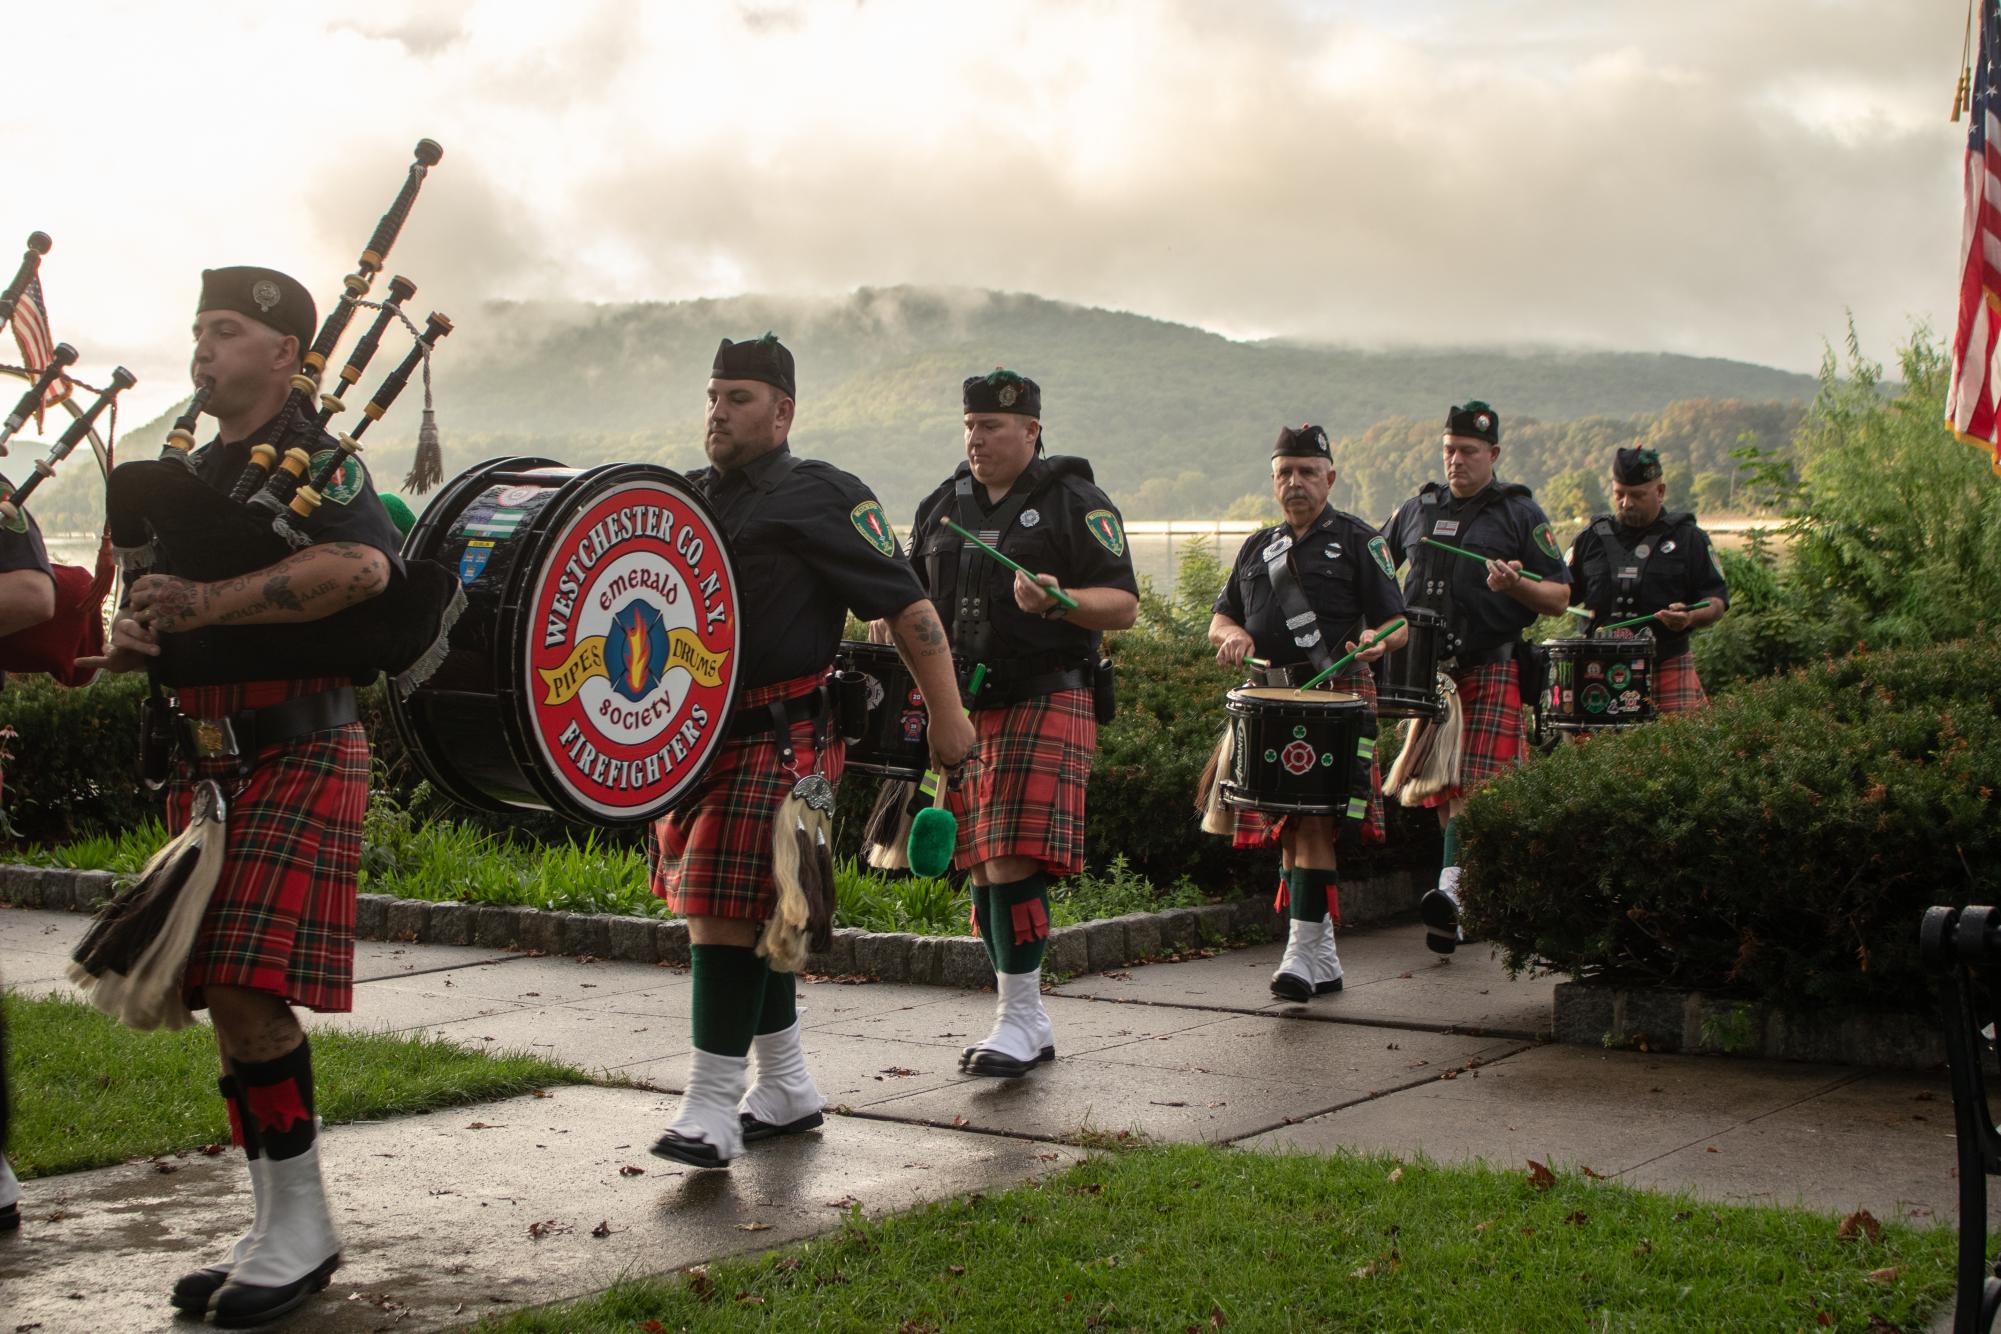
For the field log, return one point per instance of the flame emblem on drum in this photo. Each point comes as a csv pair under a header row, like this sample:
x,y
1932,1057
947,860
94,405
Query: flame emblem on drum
x,y
632,665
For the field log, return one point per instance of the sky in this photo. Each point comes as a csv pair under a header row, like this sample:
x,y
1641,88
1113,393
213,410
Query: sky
x,y
1717,177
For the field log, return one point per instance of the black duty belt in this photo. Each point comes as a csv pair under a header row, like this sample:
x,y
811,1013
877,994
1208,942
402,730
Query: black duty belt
x,y
762,719
241,735
1465,659
1002,689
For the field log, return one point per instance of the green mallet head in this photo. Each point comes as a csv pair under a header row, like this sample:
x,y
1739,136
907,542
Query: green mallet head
x,y
933,836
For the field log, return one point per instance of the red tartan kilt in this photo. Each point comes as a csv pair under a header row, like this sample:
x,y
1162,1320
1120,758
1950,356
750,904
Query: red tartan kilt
x,y
282,919
716,848
1021,793
1677,689
1256,829
1490,703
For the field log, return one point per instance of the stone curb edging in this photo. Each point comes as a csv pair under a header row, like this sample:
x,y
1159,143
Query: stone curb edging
x,y
1592,1014
951,961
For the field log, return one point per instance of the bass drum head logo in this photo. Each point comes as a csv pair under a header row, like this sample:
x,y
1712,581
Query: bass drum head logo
x,y
631,658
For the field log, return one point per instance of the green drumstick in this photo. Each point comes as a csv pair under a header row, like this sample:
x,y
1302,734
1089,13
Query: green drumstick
x,y
1474,555
1056,593
1258,662
1642,620
1363,647
934,832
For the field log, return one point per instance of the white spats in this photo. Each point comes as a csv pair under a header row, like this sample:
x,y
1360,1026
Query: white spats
x,y
1022,1035
782,1092
1440,911
1310,965
708,1123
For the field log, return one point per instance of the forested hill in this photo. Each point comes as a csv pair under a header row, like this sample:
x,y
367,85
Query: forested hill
x,y
1176,420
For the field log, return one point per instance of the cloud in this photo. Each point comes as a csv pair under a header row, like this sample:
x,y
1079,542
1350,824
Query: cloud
x,y
1708,177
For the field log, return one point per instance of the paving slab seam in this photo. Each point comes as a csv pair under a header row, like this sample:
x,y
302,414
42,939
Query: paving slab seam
x,y
874,1113
1373,1095
443,968
1851,1077
1358,1021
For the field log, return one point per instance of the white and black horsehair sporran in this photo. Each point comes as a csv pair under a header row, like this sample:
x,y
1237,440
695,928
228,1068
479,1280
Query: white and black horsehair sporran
x,y
886,836
131,960
1428,763
802,869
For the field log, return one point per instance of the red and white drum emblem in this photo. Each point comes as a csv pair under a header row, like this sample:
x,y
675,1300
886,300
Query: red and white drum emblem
x,y
1297,758
631,655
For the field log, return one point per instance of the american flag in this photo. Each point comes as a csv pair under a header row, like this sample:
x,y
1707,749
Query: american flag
x,y
1973,398
31,331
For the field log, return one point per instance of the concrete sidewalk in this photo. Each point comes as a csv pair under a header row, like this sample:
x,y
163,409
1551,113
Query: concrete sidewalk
x,y
1415,1055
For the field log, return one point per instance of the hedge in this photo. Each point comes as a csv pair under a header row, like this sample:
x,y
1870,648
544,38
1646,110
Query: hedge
x,y
1782,844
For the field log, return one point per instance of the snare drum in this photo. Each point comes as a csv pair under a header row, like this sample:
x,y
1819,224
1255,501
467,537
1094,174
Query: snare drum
x,y
1299,752
594,669
892,743
1591,684
1407,678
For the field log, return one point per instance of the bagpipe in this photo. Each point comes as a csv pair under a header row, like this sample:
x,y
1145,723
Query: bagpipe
x,y
164,516
76,629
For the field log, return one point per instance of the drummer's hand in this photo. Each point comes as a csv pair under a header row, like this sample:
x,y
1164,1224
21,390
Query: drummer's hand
x,y
878,633
1503,575
1674,617
1235,645
950,737
131,645
1372,652
1030,594
162,603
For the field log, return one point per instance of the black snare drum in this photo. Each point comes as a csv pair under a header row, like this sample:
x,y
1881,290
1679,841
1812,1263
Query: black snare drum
x,y
594,670
1299,752
1590,684
1407,678
892,743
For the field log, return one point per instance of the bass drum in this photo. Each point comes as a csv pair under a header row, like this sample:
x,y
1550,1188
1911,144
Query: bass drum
x,y
594,669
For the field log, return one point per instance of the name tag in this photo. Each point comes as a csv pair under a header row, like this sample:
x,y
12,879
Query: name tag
x,y
1445,528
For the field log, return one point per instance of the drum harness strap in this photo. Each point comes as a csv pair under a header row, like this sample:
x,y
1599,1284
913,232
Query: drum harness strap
x,y
1624,567
779,714
1300,620
1434,577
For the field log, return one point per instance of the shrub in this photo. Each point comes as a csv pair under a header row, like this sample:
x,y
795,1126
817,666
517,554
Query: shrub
x,y
1783,844
74,766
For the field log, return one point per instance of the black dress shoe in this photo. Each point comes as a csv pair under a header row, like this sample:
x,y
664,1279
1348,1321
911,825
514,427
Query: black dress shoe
x,y
693,1152
1442,942
755,1130
240,1305
1046,1054
1438,910
192,1292
993,1065
1291,986
10,1218
1323,988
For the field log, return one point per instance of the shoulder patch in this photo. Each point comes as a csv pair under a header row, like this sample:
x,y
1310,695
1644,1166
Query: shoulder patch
x,y
873,525
1381,551
1546,539
346,484
1104,526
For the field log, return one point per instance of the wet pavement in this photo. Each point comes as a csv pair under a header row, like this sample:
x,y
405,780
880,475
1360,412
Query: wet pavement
x,y
1416,1055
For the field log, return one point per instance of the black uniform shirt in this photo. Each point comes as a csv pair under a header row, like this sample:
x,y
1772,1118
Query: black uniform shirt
x,y
1502,522
810,544
1066,527
24,551
1343,567
350,508
1679,566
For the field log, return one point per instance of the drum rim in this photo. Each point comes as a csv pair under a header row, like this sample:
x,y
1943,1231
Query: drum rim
x,y
1315,700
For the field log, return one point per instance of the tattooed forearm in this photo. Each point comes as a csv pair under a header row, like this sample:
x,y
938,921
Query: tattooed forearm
x,y
917,626
307,586
278,593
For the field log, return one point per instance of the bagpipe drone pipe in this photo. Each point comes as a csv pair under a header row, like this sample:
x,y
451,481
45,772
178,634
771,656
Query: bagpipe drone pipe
x,y
162,515
76,629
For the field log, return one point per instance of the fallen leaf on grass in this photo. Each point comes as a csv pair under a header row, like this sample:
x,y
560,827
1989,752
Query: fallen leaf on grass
x,y
1216,1317
1479,1228
698,1281
1577,1218
1644,1248
540,1093
652,1327
1595,1176
1540,1177
1366,1271
1859,1223
1885,1276
1396,1174
748,1299
788,1265
753,1227
1824,1319
955,1270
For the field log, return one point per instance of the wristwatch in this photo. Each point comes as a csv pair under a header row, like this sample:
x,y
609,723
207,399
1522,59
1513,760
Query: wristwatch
x,y
1056,613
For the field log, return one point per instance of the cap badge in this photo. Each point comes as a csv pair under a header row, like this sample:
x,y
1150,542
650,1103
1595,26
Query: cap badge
x,y
265,293
1483,421
1006,397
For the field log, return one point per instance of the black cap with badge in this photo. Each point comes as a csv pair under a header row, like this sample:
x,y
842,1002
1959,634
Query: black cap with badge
x,y
1001,390
1636,467
1475,421
275,300
763,359
1308,441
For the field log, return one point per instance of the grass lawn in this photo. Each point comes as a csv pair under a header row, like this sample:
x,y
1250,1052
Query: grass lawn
x,y
1201,1239
88,1092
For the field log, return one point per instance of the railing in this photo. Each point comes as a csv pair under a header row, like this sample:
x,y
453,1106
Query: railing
x,y
1965,945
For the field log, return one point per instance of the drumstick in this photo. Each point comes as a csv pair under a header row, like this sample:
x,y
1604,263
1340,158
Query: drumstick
x,y
1474,555
1056,593
1582,613
1642,620
1261,663
1363,647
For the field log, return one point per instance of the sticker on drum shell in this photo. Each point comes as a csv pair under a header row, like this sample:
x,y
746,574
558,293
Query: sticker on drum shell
x,y
632,657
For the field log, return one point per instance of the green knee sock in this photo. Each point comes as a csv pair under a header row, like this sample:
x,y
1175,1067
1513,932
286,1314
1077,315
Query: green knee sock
x,y
983,913
729,993
781,1002
1452,842
1306,890
1020,924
